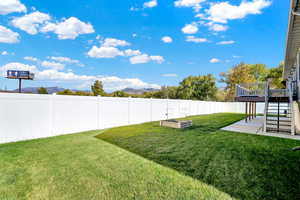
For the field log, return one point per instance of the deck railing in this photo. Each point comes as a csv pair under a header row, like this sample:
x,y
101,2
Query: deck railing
x,y
262,90
251,90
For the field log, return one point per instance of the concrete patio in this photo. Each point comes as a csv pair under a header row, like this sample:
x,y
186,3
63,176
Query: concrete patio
x,y
255,126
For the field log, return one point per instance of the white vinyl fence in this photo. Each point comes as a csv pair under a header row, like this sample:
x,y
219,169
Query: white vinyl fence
x,y
29,116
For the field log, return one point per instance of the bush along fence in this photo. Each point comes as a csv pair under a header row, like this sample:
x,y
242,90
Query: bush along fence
x,y
30,116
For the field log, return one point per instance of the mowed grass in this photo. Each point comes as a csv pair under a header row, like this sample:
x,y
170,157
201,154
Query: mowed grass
x,y
247,167
81,167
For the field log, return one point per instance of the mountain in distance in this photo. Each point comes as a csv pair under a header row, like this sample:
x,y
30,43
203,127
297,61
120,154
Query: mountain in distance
x,y
139,91
34,90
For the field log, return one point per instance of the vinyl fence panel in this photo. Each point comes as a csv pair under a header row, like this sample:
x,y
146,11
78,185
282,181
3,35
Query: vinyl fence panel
x,y
30,116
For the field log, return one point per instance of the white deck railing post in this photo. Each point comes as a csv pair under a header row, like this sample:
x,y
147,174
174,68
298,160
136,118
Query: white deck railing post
x,y
266,106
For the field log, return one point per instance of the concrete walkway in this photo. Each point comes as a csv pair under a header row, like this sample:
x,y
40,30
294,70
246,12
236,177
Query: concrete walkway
x,y
256,127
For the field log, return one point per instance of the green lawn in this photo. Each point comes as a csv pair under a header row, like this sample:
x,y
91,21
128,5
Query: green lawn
x,y
245,166
82,167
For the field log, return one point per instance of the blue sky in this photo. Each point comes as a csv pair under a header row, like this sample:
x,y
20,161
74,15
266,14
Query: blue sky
x,y
136,43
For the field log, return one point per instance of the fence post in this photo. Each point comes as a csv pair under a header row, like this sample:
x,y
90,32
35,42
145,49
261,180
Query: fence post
x,y
52,114
151,111
129,100
98,111
190,107
167,114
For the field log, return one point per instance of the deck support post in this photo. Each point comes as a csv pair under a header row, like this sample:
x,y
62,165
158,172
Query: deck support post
x,y
246,111
251,111
249,118
255,110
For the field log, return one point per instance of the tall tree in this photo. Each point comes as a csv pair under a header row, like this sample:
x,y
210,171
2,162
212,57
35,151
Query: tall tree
x,y
97,88
198,88
275,76
42,90
239,74
259,71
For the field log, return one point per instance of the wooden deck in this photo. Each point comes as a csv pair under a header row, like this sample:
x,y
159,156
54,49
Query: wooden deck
x,y
250,99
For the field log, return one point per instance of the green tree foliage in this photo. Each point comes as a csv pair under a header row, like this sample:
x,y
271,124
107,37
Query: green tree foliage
x,y
259,72
119,94
198,88
250,73
42,90
76,93
97,88
221,95
275,76
165,92
66,92
239,74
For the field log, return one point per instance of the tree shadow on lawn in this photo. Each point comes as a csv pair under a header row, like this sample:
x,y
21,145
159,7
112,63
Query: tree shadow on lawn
x,y
245,166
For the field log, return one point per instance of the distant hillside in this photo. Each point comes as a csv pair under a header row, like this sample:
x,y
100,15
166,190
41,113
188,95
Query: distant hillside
x,y
138,91
34,90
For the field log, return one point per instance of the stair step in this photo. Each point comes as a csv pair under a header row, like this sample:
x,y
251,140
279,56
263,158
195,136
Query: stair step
x,y
275,120
280,125
279,113
279,108
276,106
281,118
278,130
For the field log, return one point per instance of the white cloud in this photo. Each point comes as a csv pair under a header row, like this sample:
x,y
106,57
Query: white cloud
x,y
195,39
140,59
31,23
190,28
167,39
226,42
64,59
17,66
52,74
144,58
169,75
134,9
11,6
158,59
53,65
214,60
70,28
150,4
6,53
110,83
130,52
104,52
109,49
196,4
217,27
224,11
8,36
116,83
112,42
98,37
30,58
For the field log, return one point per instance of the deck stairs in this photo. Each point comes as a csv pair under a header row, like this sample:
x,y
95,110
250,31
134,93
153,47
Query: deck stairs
x,y
279,116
